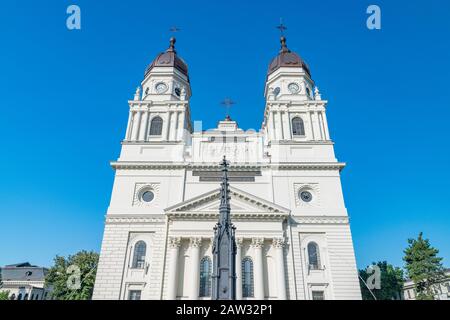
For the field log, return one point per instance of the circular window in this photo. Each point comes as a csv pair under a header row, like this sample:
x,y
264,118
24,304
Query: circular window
x,y
293,87
147,196
161,87
305,196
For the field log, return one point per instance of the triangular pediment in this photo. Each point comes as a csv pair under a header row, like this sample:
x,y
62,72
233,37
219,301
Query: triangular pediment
x,y
241,203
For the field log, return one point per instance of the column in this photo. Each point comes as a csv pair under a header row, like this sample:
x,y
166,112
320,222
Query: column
x,y
143,131
325,125
239,242
278,244
180,126
167,126
286,125
317,122
174,247
130,121
311,124
270,126
258,271
136,124
173,125
195,244
280,126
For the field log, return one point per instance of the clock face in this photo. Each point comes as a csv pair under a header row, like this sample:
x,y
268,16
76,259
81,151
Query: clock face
x,y
161,87
276,91
306,196
293,87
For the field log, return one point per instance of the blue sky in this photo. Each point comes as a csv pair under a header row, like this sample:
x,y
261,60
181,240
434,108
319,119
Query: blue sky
x,y
64,95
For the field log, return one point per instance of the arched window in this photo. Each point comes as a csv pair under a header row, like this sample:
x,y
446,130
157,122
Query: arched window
x,y
13,297
32,296
247,277
139,255
298,128
25,297
19,297
205,277
313,256
156,126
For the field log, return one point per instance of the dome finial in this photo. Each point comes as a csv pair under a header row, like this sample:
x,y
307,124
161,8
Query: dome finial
x,y
284,47
172,45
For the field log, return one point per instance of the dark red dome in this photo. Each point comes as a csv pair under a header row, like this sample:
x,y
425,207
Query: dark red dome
x,y
169,58
287,58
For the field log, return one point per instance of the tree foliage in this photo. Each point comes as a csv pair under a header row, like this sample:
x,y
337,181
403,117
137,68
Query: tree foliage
x,y
391,282
423,266
73,278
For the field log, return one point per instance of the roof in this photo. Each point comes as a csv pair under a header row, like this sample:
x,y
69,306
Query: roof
x,y
23,272
287,58
169,58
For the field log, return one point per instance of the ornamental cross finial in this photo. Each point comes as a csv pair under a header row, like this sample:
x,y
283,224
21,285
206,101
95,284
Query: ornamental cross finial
x,y
281,27
227,103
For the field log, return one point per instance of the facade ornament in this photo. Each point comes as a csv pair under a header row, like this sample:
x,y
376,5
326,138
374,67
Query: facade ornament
x,y
195,242
257,243
183,93
239,242
174,242
278,242
317,95
137,95
224,245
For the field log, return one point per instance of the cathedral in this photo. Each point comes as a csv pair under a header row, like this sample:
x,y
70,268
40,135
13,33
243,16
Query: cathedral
x,y
293,239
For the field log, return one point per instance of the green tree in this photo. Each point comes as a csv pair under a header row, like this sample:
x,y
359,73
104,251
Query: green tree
x,y
3,294
391,282
73,278
423,266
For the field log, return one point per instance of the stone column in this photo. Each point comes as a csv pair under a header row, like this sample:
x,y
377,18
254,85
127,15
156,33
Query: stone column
x,y
278,244
180,126
130,121
174,247
173,126
136,123
143,130
239,242
195,244
279,123
325,126
311,125
271,126
258,271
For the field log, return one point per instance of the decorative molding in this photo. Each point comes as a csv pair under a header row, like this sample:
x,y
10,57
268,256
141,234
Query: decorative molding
x,y
145,165
321,220
131,219
278,242
311,187
265,207
195,242
141,187
174,242
239,242
257,243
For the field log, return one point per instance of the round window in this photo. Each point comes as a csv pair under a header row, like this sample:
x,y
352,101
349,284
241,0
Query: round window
x,y
148,196
305,196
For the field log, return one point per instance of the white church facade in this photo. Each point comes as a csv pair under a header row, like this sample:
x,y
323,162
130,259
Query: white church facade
x,y
292,228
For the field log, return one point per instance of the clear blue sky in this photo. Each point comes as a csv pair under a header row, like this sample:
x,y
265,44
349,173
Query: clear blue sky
x,y
64,95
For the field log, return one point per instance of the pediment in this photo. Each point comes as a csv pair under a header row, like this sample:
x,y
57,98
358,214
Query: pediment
x,y
241,203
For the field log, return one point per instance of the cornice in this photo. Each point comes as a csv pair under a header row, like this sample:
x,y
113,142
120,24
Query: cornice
x,y
320,219
236,216
144,165
134,219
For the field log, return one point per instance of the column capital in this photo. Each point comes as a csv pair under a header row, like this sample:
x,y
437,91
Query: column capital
x,y
278,242
257,243
174,242
195,242
239,242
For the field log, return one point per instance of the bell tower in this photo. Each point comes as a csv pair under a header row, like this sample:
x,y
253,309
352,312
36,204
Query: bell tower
x,y
160,109
294,112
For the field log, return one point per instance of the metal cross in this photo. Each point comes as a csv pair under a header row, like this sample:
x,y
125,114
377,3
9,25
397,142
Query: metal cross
x,y
174,29
228,103
281,27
